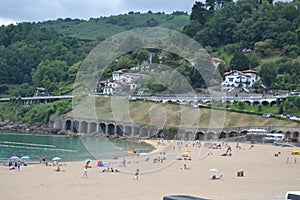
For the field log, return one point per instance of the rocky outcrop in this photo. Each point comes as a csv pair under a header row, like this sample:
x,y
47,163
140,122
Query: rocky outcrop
x,y
27,128
34,128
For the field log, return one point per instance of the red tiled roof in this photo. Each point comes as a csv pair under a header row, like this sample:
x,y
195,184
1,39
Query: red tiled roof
x,y
240,72
119,72
218,59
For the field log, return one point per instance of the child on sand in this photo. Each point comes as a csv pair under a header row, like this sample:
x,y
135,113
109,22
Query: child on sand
x,y
85,169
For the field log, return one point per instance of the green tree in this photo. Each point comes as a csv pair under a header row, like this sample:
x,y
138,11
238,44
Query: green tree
x,y
49,74
199,13
239,62
124,63
241,105
291,51
259,108
268,73
263,49
280,109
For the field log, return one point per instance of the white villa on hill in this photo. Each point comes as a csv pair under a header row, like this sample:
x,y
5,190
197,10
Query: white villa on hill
x,y
119,80
239,79
117,75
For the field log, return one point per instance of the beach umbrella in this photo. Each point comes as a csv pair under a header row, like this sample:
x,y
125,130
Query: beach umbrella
x,y
213,170
185,154
25,157
130,152
14,158
56,158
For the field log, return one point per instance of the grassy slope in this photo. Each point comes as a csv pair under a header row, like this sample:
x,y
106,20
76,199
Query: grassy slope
x,y
151,113
107,26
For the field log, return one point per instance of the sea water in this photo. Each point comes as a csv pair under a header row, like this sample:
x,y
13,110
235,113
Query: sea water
x,y
68,148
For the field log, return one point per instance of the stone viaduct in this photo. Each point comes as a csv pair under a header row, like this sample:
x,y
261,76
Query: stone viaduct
x,y
125,129
249,100
181,99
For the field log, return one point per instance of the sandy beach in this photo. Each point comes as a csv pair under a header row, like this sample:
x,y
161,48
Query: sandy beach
x,y
265,176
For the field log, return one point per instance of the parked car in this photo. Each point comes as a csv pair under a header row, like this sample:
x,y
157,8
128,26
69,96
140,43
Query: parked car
x,y
266,115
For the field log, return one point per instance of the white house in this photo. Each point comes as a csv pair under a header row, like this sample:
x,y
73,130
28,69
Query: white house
x,y
127,79
119,79
107,90
242,79
113,84
133,86
117,75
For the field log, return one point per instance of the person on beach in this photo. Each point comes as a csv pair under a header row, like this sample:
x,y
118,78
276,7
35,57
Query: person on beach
x,y
16,165
136,175
214,177
87,165
10,164
44,159
184,167
19,165
58,168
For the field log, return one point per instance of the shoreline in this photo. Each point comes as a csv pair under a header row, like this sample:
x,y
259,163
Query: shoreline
x,y
155,143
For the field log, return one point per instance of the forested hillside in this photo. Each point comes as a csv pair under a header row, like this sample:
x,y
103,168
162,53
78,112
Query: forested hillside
x,y
104,27
256,34
258,24
49,54
36,57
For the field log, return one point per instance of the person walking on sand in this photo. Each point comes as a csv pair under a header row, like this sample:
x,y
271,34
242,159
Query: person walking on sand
x,y
136,175
87,165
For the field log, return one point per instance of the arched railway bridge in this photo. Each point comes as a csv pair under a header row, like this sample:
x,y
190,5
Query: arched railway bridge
x,y
132,130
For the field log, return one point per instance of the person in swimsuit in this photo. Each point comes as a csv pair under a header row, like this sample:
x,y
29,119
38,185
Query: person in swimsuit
x,y
87,165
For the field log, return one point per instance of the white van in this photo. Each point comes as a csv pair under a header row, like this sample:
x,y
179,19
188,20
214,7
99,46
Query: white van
x,y
292,195
274,137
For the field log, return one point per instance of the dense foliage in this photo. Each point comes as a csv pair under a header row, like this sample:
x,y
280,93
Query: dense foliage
x,y
257,24
26,46
32,114
290,106
103,27
48,54
252,34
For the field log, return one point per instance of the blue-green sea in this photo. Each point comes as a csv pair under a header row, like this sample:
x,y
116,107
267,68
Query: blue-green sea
x,y
68,148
